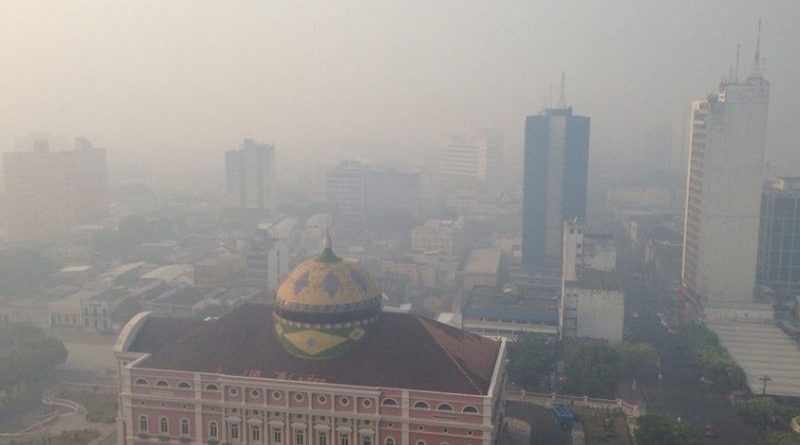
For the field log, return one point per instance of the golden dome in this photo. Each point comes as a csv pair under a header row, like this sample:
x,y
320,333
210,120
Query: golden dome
x,y
325,306
327,283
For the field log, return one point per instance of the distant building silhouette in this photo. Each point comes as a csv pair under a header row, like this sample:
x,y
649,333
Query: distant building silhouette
x,y
555,180
50,193
473,160
250,181
362,193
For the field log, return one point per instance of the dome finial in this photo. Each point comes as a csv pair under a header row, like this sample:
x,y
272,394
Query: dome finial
x,y
327,254
327,242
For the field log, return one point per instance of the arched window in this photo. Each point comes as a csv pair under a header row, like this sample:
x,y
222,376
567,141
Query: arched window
x,y
184,427
470,409
141,382
420,442
421,405
212,387
162,384
389,402
444,407
213,431
389,441
143,424
184,385
163,426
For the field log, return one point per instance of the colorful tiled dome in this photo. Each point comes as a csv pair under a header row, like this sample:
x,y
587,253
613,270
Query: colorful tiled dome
x,y
325,305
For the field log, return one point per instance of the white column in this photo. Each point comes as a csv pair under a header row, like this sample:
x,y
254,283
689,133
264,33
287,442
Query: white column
x,y
198,409
404,418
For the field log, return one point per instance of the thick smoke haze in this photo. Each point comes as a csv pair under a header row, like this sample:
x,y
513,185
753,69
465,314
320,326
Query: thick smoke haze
x,y
178,82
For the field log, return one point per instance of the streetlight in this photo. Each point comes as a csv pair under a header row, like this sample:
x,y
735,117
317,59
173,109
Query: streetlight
x,y
764,381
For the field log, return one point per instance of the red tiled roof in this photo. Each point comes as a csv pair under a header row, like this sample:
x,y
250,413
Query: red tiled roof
x,y
405,351
159,332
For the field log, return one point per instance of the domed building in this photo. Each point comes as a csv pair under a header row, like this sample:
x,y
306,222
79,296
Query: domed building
x,y
322,366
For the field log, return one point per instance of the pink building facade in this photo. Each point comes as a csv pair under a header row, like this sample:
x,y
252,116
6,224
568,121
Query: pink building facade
x,y
323,366
172,406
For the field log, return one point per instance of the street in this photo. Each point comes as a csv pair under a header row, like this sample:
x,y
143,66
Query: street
x,y
680,393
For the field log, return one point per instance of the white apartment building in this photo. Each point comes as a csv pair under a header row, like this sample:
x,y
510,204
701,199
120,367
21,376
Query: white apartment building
x,y
723,190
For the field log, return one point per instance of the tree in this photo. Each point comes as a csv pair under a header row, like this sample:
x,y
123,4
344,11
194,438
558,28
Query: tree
x,y
593,370
25,352
635,357
659,429
763,412
781,439
531,359
132,231
23,270
710,358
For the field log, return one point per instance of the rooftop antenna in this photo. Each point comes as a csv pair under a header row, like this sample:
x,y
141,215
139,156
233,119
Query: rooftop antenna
x,y
562,100
736,71
757,56
549,95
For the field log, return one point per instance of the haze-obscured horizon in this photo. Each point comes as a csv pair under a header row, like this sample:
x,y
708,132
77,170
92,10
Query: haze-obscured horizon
x,y
177,83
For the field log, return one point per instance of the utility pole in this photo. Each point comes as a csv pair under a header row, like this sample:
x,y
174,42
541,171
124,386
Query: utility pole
x,y
764,381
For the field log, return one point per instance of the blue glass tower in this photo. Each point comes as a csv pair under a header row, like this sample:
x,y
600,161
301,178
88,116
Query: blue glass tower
x,y
555,176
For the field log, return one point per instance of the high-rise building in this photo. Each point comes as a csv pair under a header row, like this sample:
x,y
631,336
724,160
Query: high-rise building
x,y
362,193
475,159
50,193
779,237
723,193
657,164
250,181
555,180
345,187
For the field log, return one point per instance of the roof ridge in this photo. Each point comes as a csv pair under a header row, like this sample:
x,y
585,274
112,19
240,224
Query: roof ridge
x,y
450,356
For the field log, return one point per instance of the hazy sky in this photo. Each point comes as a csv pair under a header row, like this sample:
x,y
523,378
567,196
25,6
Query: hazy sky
x,y
184,80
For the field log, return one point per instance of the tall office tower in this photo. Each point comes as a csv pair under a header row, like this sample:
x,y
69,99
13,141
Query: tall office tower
x,y
723,193
657,164
779,237
362,193
494,155
89,182
554,186
475,159
250,181
345,186
48,194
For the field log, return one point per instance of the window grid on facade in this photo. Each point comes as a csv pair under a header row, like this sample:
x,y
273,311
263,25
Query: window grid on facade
x,y
212,430
299,437
277,436
143,424
163,426
234,430
255,433
184,427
